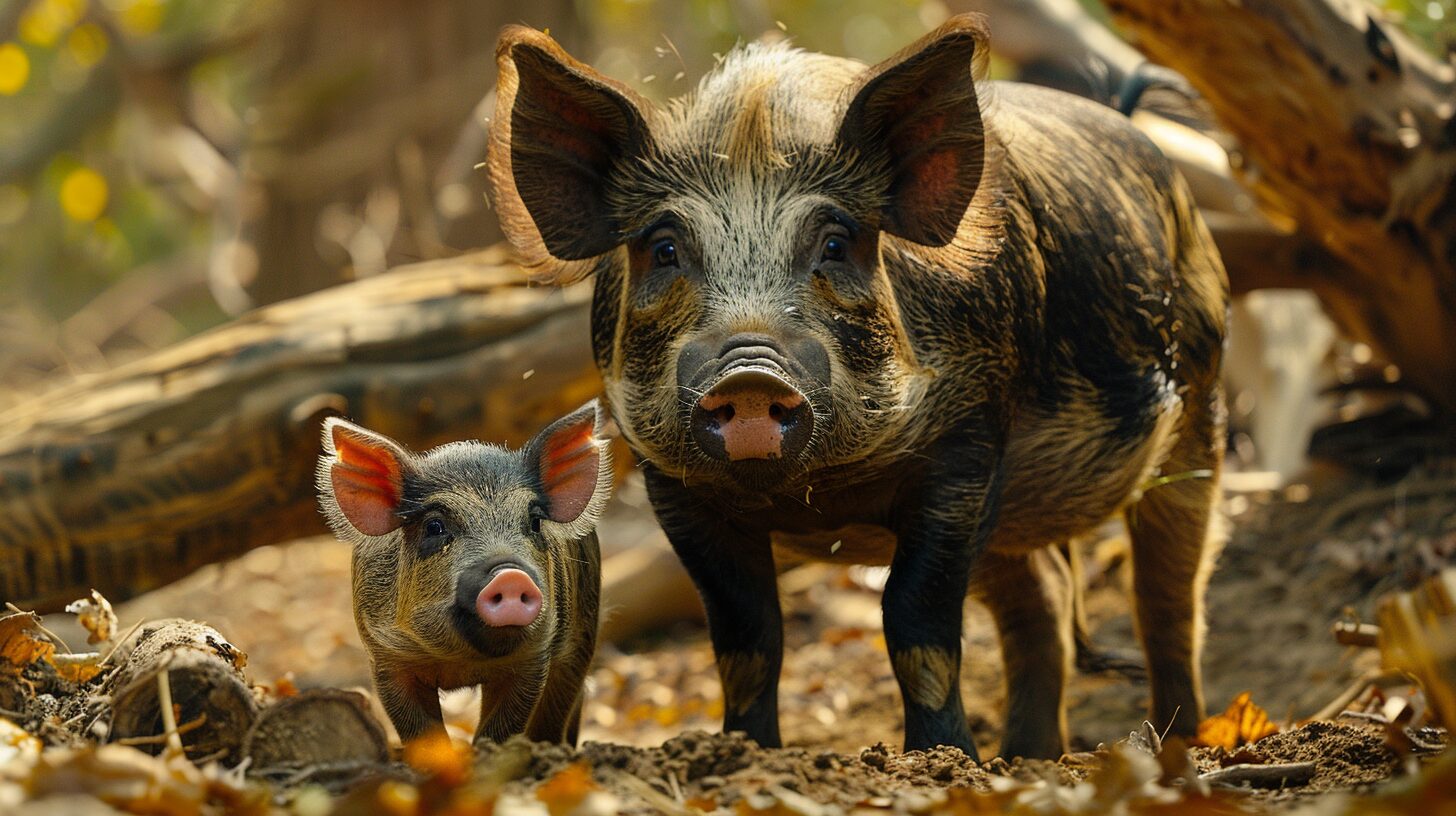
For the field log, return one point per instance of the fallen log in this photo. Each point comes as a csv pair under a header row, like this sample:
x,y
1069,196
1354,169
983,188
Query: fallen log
x,y
1348,129
202,674
129,479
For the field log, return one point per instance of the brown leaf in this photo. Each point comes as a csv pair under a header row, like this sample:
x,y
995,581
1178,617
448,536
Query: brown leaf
x,y
94,613
77,668
18,647
1242,723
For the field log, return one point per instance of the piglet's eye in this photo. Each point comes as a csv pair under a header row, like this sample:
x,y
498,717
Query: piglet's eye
x,y
537,513
434,528
664,253
835,249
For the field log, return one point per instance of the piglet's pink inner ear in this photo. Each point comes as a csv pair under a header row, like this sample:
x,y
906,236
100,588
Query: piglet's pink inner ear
x,y
367,480
569,465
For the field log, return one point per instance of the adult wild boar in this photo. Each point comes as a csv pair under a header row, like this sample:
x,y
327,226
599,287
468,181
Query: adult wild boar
x,y
889,315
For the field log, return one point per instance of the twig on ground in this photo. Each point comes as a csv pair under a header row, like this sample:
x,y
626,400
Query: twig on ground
x,y
156,738
169,717
1262,776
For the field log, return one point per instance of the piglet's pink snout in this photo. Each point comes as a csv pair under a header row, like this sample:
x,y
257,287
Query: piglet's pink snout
x,y
510,599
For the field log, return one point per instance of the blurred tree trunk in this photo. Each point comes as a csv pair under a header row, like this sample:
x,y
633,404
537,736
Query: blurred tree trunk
x,y
1348,130
362,101
129,479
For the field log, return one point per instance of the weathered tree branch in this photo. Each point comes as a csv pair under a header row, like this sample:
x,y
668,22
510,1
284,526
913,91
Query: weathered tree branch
x,y
127,480
1349,130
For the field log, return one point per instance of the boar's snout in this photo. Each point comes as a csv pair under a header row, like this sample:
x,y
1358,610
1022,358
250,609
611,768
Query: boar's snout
x,y
750,404
752,413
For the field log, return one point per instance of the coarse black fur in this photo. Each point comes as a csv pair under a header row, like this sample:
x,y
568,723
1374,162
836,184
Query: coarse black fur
x,y
1023,329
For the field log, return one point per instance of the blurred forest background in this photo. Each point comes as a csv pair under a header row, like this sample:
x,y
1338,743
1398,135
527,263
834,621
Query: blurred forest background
x,y
165,164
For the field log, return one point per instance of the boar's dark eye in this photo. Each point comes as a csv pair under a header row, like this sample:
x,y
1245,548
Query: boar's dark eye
x,y
434,528
537,513
835,249
664,253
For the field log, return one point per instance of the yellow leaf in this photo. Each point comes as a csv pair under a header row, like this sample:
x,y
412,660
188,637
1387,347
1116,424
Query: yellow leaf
x,y
95,615
83,194
1242,723
14,69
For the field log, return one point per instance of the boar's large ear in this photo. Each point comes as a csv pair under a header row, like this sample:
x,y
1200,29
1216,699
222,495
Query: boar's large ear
x,y
559,131
573,464
361,479
919,113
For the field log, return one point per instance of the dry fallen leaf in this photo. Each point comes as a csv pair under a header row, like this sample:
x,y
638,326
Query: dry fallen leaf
x,y
18,646
94,613
1242,723
77,668
440,758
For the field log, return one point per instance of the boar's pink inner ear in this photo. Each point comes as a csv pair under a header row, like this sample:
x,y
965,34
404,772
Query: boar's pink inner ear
x,y
569,465
569,127
918,111
367,480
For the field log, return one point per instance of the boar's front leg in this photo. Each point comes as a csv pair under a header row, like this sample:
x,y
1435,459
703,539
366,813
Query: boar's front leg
x,y
942,523
734,572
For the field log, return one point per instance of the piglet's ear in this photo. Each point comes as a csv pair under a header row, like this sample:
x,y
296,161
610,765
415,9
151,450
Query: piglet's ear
x,y
574,467
361,474
918,112
559,131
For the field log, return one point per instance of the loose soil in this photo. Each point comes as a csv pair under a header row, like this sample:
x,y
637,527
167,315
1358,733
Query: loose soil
x,y
1298,560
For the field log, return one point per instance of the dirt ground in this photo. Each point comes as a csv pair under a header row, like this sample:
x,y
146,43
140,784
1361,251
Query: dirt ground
x,y
1298,559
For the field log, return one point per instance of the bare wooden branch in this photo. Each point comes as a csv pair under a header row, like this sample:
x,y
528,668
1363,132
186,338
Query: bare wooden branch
x,y
1349,130
130,479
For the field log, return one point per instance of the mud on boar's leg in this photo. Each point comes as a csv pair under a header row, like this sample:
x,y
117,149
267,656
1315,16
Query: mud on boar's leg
x,y
734,572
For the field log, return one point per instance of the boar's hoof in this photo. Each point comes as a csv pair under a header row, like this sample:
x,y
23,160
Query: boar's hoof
x,y
752,413
510,599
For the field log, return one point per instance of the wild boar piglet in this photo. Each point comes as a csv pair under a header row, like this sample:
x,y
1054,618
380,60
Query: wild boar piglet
x,y
474,565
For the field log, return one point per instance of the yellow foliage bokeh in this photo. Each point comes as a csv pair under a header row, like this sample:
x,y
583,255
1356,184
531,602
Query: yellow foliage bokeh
x,y
83,194
45,20
87,44
142,16
14,69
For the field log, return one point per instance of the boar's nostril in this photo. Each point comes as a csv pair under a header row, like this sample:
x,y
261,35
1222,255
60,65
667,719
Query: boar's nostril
x,y
752,413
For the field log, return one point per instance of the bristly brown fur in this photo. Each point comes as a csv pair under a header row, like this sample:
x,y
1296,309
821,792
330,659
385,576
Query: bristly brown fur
x,y
998,303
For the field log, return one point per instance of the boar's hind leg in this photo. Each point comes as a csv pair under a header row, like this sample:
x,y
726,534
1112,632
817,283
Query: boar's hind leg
x,y
734,573
1030,596
1174,541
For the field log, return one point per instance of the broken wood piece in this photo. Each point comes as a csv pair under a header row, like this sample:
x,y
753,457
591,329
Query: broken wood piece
x,y
204,678
1262,776
1351,633
332,727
